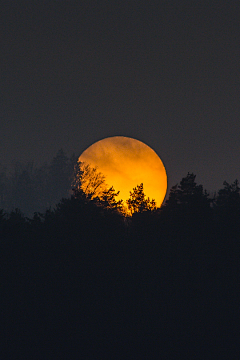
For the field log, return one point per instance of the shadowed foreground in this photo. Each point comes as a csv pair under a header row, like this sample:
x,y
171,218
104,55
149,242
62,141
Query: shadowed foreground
x,y
81,282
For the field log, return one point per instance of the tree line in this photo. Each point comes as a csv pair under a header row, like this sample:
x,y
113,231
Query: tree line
x,y
82,277
33,189
32,193
30,188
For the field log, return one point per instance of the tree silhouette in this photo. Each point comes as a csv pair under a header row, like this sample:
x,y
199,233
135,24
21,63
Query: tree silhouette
x,y
21,192
229,196
60,176
188,195
83,253
107,199
138,202
188,206
227,206
89,180
89,185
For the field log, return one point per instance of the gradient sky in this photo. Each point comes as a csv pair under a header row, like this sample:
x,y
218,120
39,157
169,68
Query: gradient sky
x,y
164,72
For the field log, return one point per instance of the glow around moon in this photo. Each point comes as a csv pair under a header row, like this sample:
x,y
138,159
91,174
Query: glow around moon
x,y
126,163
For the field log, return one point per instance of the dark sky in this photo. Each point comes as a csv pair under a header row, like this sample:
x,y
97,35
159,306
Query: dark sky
x,y
164,72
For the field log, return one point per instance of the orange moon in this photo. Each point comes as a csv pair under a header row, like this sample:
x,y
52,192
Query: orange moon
x,y
126,162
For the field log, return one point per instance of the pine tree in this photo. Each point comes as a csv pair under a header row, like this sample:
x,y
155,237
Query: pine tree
x,y
138,202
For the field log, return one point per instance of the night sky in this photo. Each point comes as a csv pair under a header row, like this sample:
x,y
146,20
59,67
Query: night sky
x,y
164,72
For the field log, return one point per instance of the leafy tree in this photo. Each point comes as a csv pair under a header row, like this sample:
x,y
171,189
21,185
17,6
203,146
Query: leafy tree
x,y
89,185
138,202
89,180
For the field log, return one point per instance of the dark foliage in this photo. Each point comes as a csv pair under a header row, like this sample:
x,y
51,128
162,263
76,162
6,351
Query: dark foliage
x,y
227,206
82,281
138,202
32,188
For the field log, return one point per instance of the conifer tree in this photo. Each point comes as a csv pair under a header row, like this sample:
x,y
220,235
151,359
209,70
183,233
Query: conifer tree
x,y
138,202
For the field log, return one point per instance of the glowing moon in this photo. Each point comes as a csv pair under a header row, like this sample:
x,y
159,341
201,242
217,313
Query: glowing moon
x,y
126,163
